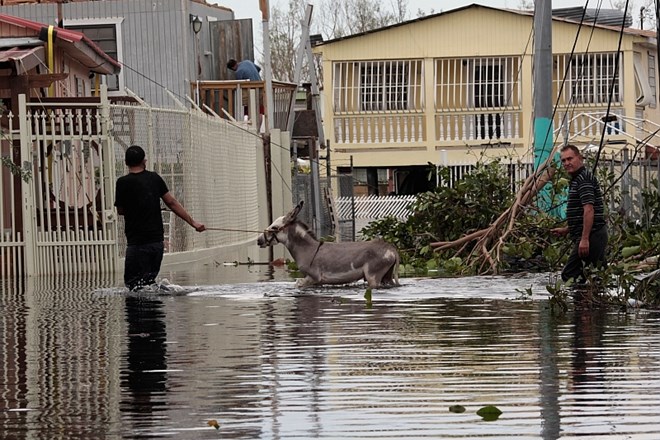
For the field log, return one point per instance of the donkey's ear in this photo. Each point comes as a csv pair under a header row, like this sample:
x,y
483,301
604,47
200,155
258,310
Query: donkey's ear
x,y
291,216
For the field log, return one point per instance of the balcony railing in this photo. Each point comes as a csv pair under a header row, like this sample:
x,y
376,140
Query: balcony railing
x,y
380,129
477,126
587,124
232,99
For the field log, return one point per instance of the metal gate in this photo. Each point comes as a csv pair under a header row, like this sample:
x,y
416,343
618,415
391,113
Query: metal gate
x,y
59,219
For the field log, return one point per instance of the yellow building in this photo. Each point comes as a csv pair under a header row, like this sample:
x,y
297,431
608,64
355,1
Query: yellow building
x,y
450,87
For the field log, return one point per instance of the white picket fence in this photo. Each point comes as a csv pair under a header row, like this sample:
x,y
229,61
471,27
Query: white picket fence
x,y
365,209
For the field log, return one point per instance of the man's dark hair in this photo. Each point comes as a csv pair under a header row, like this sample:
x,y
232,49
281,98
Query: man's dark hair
x,y
231,64
572,147
134,156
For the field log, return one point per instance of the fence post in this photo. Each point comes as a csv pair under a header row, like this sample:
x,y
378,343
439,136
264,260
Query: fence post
x,y
316,185
108,161
625,183
352,201
269,186
27,188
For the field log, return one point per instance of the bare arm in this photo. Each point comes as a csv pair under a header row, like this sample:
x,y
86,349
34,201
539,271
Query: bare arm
x,y
587,223
561,231
180,211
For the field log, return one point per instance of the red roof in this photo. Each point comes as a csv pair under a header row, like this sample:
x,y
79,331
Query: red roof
x,y
61,34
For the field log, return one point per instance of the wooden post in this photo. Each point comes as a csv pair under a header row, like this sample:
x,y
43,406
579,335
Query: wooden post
x,y
19,85
269,185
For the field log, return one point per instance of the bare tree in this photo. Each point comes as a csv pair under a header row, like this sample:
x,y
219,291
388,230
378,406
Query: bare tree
x,y
331,19
647,15
284,38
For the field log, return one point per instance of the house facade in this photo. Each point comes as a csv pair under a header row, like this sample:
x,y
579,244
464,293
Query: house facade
x,y
458,85
162,46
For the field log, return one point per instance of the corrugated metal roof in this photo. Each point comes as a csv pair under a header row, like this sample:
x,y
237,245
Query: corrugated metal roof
x,y
609,17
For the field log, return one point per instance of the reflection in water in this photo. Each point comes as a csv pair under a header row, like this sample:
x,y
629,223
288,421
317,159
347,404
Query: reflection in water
x,y
56,358
145,376
13,362
270,362
587,372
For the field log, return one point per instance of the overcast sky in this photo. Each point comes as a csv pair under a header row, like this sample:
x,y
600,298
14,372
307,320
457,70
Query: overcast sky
x,y
250,8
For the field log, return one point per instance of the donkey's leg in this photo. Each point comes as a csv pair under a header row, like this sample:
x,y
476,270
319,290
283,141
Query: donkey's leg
x,y
373,279
305,282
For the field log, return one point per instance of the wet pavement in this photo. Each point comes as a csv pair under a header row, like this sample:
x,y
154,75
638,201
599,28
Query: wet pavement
x,y
244,347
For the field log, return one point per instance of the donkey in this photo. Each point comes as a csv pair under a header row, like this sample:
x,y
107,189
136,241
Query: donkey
x,y
375,261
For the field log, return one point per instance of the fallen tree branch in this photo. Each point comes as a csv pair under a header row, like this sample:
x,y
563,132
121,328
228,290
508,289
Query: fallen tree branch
x,y
489,241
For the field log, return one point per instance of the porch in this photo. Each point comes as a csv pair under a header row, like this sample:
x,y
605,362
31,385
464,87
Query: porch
x,y
244,100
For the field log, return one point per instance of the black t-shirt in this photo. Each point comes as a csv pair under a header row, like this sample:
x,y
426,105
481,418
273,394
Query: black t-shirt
x,y
139,195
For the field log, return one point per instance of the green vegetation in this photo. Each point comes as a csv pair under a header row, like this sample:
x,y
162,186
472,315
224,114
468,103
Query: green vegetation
x,y
476,201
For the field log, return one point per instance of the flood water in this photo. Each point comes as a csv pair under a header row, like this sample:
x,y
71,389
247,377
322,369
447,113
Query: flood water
x,y
87,360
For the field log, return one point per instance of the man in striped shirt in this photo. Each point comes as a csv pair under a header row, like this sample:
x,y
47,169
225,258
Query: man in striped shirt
x,y
585,217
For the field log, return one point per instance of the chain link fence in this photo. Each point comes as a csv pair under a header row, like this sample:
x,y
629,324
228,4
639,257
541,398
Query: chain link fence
x,y
209,165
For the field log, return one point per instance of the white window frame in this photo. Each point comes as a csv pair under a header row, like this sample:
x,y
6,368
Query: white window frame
x,y
117,23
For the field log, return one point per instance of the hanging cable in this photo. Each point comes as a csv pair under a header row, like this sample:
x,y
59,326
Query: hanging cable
x,y
615,78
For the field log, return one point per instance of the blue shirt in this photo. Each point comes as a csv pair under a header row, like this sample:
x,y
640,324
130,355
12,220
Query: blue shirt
x,y
246,69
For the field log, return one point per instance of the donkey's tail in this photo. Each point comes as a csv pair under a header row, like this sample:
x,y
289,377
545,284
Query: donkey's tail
x,y
395,270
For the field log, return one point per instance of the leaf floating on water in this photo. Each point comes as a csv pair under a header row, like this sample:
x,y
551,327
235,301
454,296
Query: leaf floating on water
x,y
489,413
214,423
457,409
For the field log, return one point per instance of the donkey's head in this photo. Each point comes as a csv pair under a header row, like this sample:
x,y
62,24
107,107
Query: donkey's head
x,y
276,232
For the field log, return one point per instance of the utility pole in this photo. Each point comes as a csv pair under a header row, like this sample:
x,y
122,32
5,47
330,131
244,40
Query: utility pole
x,y
543,129
300,55
268,71
657,30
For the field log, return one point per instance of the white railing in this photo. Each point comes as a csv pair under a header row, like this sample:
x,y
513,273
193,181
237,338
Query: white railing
x,y
480,126
380,129
585,125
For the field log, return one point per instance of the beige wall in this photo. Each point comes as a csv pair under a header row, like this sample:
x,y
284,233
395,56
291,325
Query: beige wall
x,y
468,33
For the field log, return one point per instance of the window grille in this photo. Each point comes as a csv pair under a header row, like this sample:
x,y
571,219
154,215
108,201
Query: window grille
x,y
378,86
464,84
589,78
384,86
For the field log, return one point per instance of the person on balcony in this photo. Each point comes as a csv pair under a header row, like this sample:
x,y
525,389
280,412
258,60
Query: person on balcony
x,y
585,217
137,198
245,69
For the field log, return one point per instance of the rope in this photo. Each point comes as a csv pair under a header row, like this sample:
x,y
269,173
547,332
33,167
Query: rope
x,y
232,230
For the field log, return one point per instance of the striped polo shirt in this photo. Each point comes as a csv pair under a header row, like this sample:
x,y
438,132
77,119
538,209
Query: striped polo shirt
x,y
584,190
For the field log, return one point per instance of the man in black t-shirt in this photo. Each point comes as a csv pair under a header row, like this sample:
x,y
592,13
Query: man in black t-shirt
x,y
585,214
137,198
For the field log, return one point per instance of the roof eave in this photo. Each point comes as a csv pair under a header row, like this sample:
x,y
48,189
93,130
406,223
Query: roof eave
x,y
91,59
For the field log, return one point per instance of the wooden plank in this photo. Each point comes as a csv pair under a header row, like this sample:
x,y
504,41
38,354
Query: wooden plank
x,y
34,81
